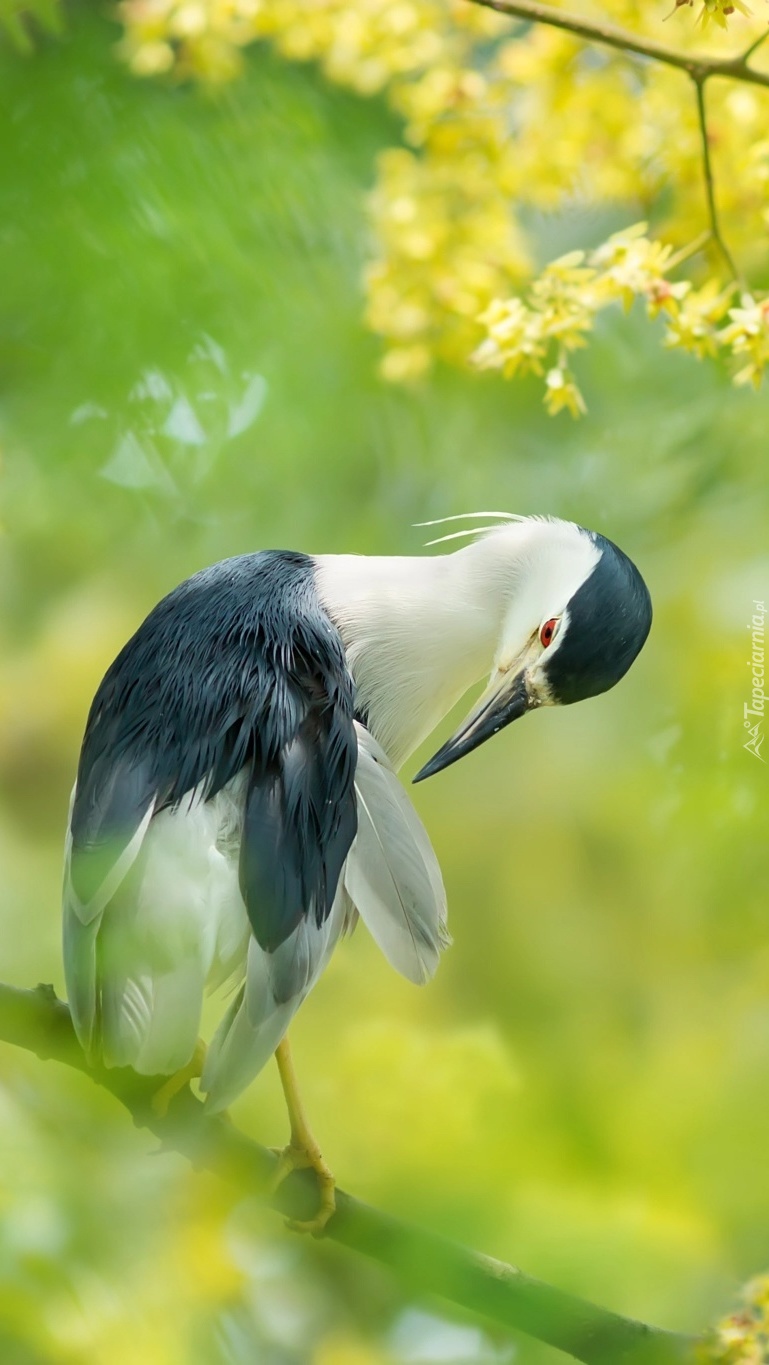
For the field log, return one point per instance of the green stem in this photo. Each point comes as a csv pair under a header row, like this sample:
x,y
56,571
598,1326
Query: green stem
x,y
710,192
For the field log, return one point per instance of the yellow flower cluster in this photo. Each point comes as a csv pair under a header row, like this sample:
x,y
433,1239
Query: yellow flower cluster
x,y
448,244
502,119
748,337
715,11
362,45
693,325
192,38
742,1338
537,335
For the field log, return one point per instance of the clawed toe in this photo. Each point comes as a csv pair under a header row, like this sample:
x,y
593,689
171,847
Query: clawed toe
x,y
295,1157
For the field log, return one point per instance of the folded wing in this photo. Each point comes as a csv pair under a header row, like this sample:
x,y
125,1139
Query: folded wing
x,y
215,782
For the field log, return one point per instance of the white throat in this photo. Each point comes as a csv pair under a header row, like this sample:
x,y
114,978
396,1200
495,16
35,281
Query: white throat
x,y
418,632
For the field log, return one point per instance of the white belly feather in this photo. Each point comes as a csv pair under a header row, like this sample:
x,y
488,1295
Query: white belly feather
x,y
139,965
177,927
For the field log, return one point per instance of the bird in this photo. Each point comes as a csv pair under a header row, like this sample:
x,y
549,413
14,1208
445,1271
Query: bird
x,y
237,806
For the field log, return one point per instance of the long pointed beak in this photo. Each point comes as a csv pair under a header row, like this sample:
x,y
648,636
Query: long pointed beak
x,y
504,700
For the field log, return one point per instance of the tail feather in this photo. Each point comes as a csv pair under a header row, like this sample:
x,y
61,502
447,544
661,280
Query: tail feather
x,y
258,1017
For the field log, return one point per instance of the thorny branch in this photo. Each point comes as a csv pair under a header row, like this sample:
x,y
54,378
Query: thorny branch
x,y
37,1021
699,68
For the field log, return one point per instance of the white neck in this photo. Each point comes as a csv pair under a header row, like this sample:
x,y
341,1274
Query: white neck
x,y
418,632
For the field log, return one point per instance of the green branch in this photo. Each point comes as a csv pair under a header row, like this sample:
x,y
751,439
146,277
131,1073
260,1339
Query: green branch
x,y
37,1021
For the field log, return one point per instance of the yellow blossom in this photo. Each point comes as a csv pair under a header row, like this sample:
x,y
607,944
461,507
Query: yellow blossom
x,y
693,326
561,392
515,343
719,11
742,1338
748,337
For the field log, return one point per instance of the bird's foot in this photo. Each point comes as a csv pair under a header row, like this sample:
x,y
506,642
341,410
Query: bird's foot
x,y
162,1098
302,1155
302,1152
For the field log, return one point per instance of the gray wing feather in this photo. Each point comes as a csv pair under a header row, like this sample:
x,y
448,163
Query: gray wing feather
x,y
392,875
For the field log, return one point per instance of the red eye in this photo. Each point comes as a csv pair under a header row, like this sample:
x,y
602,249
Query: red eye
x,y
548,631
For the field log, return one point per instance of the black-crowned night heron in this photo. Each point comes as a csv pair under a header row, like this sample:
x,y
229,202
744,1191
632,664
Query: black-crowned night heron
x,y
236,805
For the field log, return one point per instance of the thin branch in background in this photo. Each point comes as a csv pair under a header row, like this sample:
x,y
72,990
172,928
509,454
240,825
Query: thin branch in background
x,y
754,46
691,249
609,35
425,1263
710,192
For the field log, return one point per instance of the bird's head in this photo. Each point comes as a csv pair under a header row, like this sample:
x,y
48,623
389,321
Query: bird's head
x,y
577,614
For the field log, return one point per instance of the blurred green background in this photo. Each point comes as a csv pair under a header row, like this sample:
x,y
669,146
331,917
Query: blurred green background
x,y
583,1088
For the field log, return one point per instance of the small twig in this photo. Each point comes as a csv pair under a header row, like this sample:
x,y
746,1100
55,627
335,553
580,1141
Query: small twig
x,y
37,1021
754,46
686,252
710,193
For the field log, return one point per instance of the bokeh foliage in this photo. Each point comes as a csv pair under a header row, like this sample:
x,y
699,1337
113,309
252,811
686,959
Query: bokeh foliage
x,y
186,375
506,113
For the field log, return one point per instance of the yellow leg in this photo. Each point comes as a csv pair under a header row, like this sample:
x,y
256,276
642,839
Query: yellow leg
x,y
194,1068
302,1152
